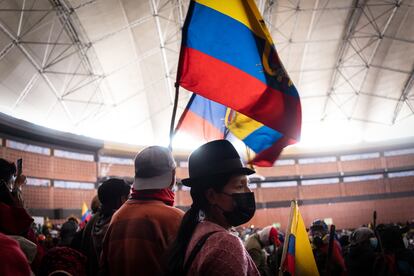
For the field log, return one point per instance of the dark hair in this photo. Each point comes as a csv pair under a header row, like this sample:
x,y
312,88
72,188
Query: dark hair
x,y
391,237
95,204
109,194
7,170
190,220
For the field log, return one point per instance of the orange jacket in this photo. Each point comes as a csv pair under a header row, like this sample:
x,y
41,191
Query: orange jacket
x,y
138,236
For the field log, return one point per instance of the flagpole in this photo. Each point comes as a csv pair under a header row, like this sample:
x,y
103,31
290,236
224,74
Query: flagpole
x,y
286,242
177,91
330,250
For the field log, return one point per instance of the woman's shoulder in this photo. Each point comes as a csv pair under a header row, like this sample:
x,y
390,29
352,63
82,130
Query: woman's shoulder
x,y
220,239
227,239
205,227
223,254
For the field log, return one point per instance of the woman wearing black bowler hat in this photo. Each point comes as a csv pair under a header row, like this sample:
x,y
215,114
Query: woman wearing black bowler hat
x,y
221,199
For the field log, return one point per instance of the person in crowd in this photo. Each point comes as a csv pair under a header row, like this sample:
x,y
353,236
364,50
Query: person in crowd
x,y
14,219
63,260
221,199
95,205
319,236
79,236
344,240
256,244
409,237
360,254
12,259
147,223
400,260
111,194
29,248
68,231
10,184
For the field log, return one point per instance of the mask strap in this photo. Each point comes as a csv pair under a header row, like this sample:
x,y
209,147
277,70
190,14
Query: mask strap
x,y
231,195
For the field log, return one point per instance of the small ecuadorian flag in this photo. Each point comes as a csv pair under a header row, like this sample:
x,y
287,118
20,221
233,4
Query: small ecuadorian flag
x,y
86,213
297,257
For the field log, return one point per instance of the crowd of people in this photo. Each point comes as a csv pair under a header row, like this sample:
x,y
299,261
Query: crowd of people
x,y
136,230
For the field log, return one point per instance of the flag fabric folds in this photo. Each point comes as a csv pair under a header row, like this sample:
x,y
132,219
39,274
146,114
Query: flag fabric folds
x,y
297,256
203,119
228,56
266,142
86,213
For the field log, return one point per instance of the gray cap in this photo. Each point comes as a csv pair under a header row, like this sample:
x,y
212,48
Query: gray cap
x,y
361,234
153,168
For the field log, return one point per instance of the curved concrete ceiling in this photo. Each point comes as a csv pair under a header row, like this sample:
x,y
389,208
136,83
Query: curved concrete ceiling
x,y
106,68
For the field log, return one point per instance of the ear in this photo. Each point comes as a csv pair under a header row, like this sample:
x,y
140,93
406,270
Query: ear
x,y
211,196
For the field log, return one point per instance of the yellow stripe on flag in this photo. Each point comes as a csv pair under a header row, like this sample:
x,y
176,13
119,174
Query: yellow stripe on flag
x,y
240,125
304,260
84,208
244,11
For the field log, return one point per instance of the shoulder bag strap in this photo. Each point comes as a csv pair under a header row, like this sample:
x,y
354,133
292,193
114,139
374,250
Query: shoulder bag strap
x,y
195,251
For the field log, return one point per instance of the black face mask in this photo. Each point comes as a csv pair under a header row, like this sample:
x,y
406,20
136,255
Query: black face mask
x,y
244,207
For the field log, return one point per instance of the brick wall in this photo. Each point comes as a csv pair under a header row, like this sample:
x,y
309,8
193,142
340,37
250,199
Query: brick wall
x,y
361,165
37,197
34,165
106,169
69,169
319,191
401,184
279,194
365,187
71,198
318,168
50,167
53,198
182,173
285,170
400,161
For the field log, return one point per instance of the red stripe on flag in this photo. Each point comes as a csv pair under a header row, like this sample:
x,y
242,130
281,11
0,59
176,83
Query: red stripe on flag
x,y
290,264
197,126
238,90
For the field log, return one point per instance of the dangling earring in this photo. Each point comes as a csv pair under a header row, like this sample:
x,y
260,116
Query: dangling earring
x,y
201,215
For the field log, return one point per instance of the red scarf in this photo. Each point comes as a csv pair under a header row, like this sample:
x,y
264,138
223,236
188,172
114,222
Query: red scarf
x,y
164,195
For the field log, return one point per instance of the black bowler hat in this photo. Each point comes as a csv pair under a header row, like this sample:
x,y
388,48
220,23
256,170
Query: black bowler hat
x,y
213,158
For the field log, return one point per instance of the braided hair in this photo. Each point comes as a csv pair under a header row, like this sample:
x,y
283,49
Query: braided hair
x,y
191,219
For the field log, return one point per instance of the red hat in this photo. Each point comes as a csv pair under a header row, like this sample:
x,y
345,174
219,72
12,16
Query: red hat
x,y
269,235
274,236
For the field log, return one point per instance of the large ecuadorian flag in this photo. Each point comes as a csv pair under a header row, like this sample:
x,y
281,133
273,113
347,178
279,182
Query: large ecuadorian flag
x,y
228,56
298,257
